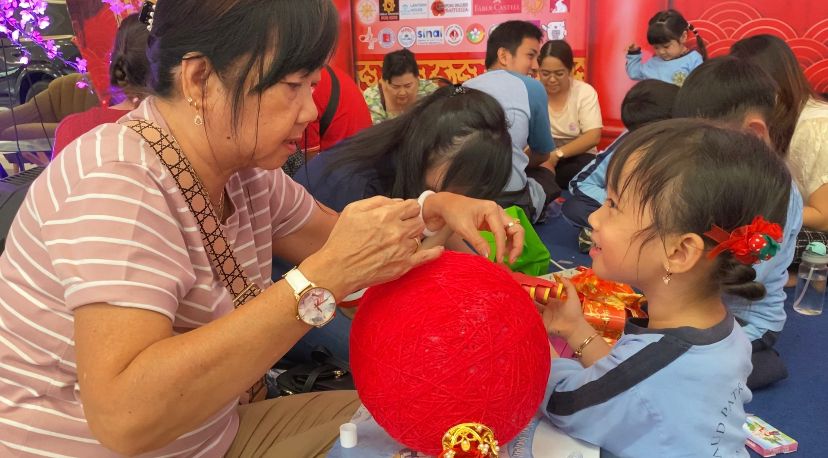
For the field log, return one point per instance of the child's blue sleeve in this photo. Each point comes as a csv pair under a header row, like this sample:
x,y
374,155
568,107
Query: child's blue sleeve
x,y
604,402
695,60
634,67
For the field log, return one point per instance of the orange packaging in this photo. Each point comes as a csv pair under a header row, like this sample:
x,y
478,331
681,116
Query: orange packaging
x,y
606,304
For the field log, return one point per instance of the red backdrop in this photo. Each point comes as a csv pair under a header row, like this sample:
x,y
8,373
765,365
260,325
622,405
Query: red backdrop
x,y
599,31
453,42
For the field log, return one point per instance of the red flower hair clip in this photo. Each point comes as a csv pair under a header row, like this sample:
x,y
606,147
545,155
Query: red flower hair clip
x,y
758,241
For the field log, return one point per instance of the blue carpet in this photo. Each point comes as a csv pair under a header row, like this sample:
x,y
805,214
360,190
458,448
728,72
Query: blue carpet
x,y
798,406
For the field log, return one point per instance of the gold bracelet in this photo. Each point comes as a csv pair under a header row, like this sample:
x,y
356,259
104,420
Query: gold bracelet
x,y
580,350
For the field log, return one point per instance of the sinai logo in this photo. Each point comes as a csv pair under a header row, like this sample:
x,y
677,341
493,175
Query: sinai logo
x,y
432,35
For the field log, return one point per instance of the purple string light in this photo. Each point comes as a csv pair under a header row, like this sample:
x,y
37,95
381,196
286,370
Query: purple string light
x,y
24,19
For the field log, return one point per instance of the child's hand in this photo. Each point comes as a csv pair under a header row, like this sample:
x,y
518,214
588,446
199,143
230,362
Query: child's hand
x,y
633,48
563,317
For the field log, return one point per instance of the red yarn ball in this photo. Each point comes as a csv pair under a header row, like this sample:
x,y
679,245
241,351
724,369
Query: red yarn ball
x,y
454,341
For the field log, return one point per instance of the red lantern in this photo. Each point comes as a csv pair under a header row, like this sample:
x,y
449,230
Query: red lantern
x,y
457,341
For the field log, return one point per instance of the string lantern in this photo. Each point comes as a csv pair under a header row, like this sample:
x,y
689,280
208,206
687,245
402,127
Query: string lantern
x,y
452,358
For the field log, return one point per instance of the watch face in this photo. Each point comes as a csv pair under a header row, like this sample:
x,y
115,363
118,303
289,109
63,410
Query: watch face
x,y
317,307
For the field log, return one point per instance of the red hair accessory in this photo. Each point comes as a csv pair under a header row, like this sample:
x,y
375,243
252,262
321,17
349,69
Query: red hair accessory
x,y
758,241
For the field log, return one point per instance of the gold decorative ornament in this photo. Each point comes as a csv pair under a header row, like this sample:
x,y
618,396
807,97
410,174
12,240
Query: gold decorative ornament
x,y
465,437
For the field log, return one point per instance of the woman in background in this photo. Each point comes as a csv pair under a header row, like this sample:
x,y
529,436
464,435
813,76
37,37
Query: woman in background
x,y
574,112
399,87
128,71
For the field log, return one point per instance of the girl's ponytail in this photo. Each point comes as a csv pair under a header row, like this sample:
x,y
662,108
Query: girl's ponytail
x,y
701,47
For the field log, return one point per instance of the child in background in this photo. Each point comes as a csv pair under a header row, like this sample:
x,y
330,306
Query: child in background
x,y
675,384
737,93
673,61
648,101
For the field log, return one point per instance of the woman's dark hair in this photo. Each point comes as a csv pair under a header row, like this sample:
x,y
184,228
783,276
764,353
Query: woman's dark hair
x,y
776,58
457,125
648,101
510,35
269,38
399,63
559,49
128,67
670,25
693,175
726,88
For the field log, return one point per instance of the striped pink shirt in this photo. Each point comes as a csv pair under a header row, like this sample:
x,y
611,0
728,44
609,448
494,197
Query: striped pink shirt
x,y
106,223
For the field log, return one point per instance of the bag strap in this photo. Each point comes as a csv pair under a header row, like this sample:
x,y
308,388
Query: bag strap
x,y
220,252
333,104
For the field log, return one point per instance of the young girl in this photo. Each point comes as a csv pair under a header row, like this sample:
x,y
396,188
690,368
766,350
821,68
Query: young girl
x,y
682,223
456,138
667,33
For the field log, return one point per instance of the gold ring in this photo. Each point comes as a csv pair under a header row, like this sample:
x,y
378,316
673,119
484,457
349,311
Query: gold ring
x,y
417,239
510,225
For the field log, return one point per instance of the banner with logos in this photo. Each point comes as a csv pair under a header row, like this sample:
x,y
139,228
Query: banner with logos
x,y
451,27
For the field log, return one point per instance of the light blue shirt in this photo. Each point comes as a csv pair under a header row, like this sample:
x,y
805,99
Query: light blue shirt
x,y
673,71
524,101
591,181
768,313
659,393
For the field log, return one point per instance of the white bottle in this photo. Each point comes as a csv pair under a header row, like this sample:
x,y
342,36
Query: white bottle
x,y
811,280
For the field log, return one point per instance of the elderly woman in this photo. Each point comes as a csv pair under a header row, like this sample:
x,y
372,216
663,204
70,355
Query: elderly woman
x,y
399,87
136,302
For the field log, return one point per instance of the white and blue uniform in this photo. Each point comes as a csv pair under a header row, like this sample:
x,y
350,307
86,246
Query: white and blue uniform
x,y
673,71
659,393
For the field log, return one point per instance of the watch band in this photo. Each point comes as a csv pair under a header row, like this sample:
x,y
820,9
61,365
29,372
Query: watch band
x,y
421,201
298,282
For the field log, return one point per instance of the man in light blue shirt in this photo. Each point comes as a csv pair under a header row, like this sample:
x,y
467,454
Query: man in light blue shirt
x,y
738,93
511,55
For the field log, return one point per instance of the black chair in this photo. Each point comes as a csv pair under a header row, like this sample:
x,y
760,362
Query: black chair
x,y
12,192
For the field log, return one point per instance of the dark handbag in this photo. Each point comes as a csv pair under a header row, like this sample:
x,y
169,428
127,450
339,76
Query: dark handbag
x,y
324,373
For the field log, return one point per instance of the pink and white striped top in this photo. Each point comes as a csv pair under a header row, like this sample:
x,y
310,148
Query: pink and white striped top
x,y
106,223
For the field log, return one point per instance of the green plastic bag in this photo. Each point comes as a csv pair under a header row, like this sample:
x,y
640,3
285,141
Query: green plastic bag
x,y
535,257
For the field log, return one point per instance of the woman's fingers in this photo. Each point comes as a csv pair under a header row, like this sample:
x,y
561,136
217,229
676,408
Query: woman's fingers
x,y
368,204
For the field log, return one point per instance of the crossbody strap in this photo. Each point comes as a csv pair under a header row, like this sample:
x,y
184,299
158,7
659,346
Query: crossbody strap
x,y
333,104
220,252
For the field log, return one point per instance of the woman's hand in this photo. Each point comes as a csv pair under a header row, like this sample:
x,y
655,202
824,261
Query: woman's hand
x,y
563,318
374,241
467,217
633,48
